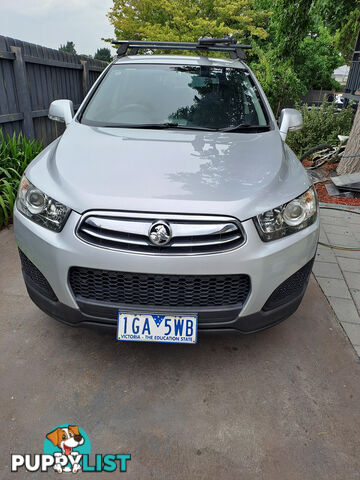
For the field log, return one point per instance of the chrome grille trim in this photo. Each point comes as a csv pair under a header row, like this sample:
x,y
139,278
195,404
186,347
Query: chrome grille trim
x,y
118,238
191,234
142,227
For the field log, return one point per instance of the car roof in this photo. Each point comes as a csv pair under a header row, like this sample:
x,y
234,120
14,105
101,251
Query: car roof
x,y
180,60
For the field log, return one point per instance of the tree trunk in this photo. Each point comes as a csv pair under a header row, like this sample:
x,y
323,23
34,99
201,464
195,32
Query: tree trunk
x,y
352,150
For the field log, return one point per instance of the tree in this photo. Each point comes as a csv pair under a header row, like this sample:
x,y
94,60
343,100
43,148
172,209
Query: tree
x,y
298,54
290,23
316,59
350,163
69,47
103,54
277,77
342,18
186,20
293,49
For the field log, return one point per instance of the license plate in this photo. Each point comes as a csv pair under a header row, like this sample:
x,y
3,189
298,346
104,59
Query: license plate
x,y
144,327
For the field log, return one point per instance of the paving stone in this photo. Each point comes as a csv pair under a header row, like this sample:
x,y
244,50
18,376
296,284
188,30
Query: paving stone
x,y
325,220
327,270
337,229
343,240
325,254
354,227
357,348
352,331
345,310
333,287
346,253
329,212
354,221
355,293
351,218
342,221
349,264
352,279
323,237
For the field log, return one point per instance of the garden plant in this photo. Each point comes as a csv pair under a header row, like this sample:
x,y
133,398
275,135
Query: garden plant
x,y
16,152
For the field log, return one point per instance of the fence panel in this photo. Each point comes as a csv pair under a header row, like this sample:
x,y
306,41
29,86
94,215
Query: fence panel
x,y
31,77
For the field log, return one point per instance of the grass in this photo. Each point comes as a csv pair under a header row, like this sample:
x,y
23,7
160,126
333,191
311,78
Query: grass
x,y
16,152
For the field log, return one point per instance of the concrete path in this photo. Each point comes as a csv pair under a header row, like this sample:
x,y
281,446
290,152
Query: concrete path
x,y
338,271
279,405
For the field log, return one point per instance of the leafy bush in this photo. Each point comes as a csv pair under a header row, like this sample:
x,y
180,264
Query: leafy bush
x,y
321,125
277,78
16,153
316,59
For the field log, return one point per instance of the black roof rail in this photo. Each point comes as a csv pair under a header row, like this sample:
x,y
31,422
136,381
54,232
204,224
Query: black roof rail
x,y
205,44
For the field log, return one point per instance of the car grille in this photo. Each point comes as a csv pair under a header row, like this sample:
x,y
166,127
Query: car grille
x,y
159,290
190,234
36,277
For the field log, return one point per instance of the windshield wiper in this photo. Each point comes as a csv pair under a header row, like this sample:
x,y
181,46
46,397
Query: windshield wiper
x,y
158,126
205,129
246,127
142,125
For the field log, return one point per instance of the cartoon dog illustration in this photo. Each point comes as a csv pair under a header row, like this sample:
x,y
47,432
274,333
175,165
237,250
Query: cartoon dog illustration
x,y
66,438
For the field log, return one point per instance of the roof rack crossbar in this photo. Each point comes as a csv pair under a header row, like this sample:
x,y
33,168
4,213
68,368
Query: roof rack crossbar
x,y
226,44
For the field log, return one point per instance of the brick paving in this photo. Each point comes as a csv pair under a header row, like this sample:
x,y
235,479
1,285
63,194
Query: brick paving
x,y
338,271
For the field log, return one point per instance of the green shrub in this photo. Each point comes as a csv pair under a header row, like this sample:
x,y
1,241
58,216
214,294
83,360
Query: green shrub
x,y
16,153
277,78
321,125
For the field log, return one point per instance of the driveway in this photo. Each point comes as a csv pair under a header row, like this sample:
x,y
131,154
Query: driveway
x,y
281,404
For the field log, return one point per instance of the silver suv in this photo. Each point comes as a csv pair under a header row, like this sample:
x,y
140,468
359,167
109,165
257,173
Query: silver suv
x,y
171,204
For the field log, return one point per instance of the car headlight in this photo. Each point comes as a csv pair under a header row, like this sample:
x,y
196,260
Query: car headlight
x,y
288,218
40,208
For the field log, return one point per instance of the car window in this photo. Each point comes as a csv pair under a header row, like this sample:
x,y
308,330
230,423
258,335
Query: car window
x,y
193,96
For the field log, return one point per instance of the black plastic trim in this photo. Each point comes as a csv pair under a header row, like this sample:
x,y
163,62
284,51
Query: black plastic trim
x,y
245,325
290,288
32,274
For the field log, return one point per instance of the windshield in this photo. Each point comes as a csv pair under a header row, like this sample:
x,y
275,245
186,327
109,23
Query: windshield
x,y
184,96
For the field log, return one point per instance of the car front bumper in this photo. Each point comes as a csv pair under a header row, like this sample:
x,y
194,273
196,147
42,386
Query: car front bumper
x,y
271,266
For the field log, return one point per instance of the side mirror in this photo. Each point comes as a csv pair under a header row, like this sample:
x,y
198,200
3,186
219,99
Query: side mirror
x,y
61,111
290,120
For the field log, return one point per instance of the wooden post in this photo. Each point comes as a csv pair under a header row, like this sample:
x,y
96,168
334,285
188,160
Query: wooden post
x,y
86,79
23,93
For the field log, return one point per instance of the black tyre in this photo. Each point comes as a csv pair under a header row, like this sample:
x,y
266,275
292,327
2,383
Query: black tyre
x,y
324,148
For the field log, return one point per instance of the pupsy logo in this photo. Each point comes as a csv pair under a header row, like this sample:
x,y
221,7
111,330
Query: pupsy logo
x,y
67,450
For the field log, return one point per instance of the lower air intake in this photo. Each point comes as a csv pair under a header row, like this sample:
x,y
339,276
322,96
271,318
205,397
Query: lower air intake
x,y
36,277
159,290
291,288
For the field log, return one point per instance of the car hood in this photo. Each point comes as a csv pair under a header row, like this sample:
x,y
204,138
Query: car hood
x,y
169,171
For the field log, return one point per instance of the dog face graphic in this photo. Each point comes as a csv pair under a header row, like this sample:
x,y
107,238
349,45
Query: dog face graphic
x,y
66,438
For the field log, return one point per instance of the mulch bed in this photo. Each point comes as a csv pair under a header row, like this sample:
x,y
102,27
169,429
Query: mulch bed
x,y
326,198
321,189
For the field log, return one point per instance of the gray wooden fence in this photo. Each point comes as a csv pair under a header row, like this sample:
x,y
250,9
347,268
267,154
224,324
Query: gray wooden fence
x,y
316,97
31,77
